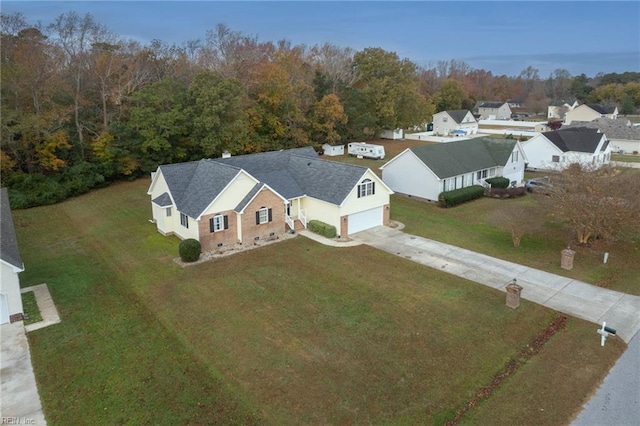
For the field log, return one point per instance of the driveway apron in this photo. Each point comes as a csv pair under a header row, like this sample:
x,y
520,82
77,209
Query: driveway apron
x,y
621,311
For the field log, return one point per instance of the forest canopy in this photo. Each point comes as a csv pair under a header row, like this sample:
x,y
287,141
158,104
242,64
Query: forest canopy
x,y
82,107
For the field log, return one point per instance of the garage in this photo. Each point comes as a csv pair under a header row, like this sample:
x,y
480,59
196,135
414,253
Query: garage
x,y
365,220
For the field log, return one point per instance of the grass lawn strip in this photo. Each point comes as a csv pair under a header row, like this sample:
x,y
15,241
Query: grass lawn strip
x,y
293,332
30,307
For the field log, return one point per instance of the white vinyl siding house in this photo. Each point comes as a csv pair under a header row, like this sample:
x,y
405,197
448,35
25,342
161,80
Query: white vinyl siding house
x,y
10,265
558,149
489,110
426,171
456,121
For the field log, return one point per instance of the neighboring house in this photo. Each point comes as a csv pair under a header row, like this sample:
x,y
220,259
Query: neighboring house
x,y
558,109
11,264
426,171
589,112
623,136
488,110
558,149
241,199
332,150
448,122
391,134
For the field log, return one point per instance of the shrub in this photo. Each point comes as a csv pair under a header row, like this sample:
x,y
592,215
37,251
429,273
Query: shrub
x,y
322,228
498,182
189,250
459,196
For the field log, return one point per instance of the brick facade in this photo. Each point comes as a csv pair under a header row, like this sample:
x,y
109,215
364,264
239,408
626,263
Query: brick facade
x,y
16,317
386,214
277,226
210,240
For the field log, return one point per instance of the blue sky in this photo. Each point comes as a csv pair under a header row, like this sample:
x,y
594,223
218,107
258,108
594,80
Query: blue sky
x,y
502,37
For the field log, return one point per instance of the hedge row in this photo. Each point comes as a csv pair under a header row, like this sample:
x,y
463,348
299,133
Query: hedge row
x,y
459,196
498,182
322,228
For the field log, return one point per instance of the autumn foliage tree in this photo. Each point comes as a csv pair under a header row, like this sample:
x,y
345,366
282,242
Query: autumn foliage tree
x,y
599,203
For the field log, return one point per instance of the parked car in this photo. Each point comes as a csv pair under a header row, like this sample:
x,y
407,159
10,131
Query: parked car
x,y
541,184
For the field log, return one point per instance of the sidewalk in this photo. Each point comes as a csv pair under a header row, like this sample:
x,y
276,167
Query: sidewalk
x,y
621,311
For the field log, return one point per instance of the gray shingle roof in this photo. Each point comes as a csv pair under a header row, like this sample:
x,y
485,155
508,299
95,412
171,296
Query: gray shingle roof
x,y
195,184
291,173
465,156
488,104
458,115
601,109
614,128
9,251
243,203
297,172
576,139
163,200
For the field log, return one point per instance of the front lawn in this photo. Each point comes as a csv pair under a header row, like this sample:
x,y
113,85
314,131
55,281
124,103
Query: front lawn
x,y
470,226
290,333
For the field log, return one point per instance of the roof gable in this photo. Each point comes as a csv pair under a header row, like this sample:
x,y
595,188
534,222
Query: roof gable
x,y
576,139
298,172
9,251
466,156
196,184
458,115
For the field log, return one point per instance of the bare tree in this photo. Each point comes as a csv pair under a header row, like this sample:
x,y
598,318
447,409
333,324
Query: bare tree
x,y
518,219
76,35
336,62
599,203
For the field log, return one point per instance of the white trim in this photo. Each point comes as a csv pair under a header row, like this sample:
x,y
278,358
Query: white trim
x,y
224,189
15,268
264,185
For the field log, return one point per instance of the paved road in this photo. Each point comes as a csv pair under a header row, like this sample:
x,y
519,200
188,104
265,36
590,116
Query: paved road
x,y
617,401
621,311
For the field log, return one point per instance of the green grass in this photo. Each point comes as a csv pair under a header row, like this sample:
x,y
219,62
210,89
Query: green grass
x,y
290,333
626,158
30,308
470,226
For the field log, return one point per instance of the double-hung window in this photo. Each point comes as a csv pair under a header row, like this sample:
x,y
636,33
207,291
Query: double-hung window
x,y
263,216
184,220
366,188
218,223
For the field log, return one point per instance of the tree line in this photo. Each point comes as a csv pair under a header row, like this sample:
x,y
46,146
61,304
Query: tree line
x,y
82,107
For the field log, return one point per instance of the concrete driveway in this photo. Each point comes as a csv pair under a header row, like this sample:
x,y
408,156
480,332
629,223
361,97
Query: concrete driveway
x,y
572,297
19,402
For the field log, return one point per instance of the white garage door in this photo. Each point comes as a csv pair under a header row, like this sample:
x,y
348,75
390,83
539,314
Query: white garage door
x,y
365,220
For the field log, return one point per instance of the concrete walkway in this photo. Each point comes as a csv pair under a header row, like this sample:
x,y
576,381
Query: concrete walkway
x,y
46,306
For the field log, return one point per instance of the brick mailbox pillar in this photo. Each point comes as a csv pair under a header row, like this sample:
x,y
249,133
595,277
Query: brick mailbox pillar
x,y
566,259
513,294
